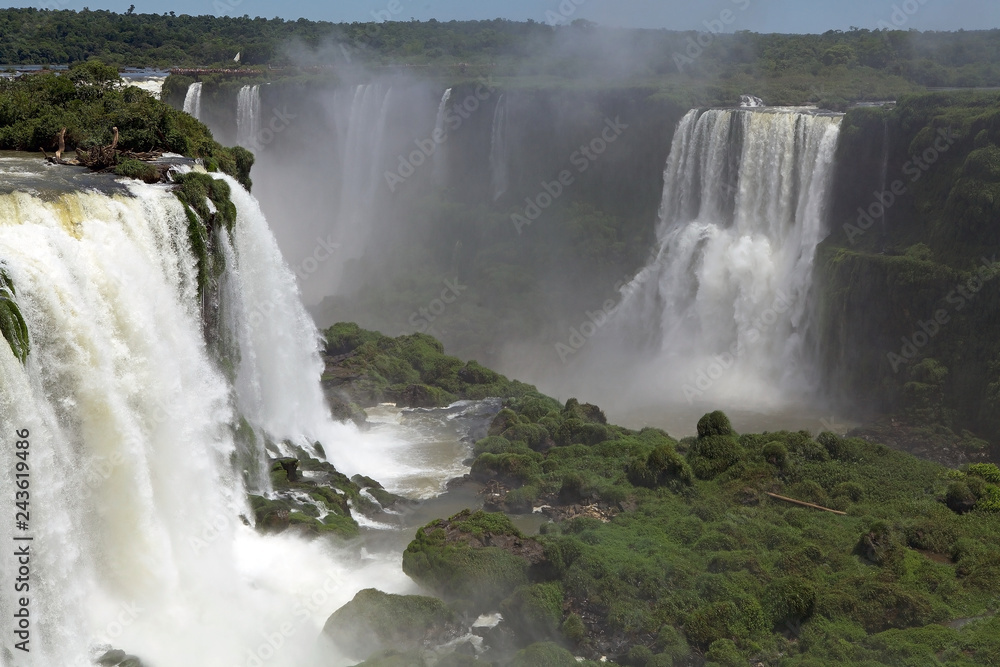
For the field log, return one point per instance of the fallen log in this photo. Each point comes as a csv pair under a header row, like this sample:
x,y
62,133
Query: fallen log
x,y
804,503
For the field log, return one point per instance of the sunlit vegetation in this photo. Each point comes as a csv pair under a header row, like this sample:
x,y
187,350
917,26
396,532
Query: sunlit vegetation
x,y
709,564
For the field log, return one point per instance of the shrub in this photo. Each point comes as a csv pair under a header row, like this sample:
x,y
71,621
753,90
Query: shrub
x,y
724,652
534,612
713,454
775,453
573,628
543,654
959,497
881,546
788,601
714,423
987,471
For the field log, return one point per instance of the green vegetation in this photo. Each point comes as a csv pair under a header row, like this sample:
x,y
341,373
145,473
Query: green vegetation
x,y
674,564
89,100
457,559
12,325
918,288
196,190
411,370
831,68
374,622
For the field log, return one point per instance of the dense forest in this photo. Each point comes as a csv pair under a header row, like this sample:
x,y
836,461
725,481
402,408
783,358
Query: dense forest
x,y
39,37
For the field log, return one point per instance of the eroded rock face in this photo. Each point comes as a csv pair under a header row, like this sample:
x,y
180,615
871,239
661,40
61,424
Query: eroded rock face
x,y
375,622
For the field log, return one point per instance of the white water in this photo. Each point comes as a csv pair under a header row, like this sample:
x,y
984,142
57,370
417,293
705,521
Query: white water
x,y
248,117
359,116
723,309
499,149
751,101
151,84
440,155
192,101
135,504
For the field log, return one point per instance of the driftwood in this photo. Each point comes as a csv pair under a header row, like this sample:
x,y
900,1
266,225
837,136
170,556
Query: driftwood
x,y
804,503
100,158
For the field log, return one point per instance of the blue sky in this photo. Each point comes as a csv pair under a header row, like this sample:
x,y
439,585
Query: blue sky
x,y
756,15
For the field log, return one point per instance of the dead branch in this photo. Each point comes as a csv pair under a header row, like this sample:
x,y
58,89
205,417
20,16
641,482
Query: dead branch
x,y
804,503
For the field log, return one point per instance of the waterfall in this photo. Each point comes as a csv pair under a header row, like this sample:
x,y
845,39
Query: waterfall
x,y
360,120
248,117
750,101
723,308
192,101
440,155
135,502
499,149
884,172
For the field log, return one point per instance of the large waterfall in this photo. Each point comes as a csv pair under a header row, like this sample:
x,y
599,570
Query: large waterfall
x,y
723,309
192,101
499,150
359,116
136,505
248,117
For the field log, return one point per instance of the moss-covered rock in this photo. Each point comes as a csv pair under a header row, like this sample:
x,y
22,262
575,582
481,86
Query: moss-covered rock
x,y
375,621
544,654
412,371
12,325
477,557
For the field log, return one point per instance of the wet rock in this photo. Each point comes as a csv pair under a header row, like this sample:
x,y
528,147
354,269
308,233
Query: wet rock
x,y
375,622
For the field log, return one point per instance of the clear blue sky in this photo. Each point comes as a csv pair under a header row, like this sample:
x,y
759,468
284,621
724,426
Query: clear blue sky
x,y
757,15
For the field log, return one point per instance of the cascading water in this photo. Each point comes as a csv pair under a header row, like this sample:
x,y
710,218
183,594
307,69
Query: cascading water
x,y
499,152
360,121
723,308
440,155
136,505
192,101
248,117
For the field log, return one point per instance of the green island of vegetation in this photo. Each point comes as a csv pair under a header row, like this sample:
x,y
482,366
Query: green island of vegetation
x,y
774,548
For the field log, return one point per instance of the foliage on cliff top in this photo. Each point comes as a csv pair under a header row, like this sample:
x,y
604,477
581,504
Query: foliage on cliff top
x,y
89,100
412,369
715,567
835,64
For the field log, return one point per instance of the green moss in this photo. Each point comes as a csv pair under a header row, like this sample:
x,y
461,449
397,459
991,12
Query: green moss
x,y
458,570
544,654
374,621
139,170
12,325
535,611
195,190
573,628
